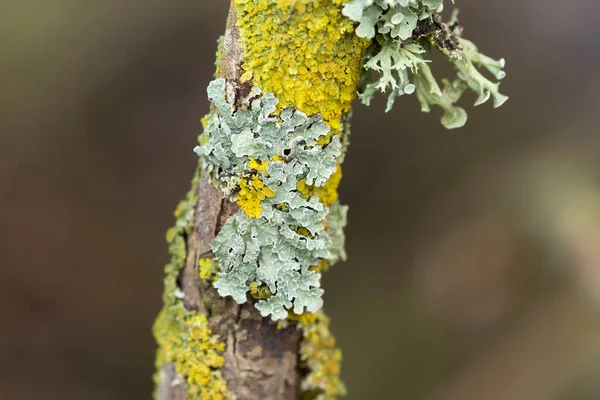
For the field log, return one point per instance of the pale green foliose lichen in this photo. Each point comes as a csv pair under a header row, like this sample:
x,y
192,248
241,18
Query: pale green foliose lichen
x,y
274,240
398,18
403,33
336,222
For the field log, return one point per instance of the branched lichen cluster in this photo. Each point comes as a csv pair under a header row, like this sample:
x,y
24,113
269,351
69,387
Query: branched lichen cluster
x,y
279,233
404,32
183,336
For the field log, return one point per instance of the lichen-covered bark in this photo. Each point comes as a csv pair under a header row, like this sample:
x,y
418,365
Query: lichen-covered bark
x,y
207,341
265,199
261,361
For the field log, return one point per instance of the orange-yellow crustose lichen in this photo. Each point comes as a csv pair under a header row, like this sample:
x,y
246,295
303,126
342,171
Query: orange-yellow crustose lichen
x,y
207,269
321,356
327,193
323,265
183,336
186,341
303,51
253,191
258,166
259,291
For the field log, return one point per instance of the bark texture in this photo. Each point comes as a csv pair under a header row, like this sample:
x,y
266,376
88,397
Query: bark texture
x,y
261,361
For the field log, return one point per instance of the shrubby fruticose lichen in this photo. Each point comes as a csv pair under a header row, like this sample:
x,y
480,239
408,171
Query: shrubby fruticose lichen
x,y
404,32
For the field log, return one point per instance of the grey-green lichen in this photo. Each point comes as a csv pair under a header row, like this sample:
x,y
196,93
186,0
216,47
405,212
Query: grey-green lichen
x,y
403,33
336,222
263,159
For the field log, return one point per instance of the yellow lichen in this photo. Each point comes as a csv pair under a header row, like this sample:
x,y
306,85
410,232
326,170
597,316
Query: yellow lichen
x,y
252,192
304,232
170,235
185,340
323,265
259,291
179,210
207,268
319,353
219,55
204,121
258,166
183,337
303,51
327,193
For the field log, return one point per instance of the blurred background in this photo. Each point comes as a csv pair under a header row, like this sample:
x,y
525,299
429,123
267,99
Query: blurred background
x,y
474,255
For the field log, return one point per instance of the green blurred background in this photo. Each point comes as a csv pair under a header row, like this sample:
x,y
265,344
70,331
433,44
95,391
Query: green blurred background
x,y
474,255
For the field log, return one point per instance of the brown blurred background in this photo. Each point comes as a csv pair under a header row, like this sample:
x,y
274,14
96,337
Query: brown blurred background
x,y
474,255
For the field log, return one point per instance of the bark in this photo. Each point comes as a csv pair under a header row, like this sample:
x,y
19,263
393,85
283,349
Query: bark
x,y
261,361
